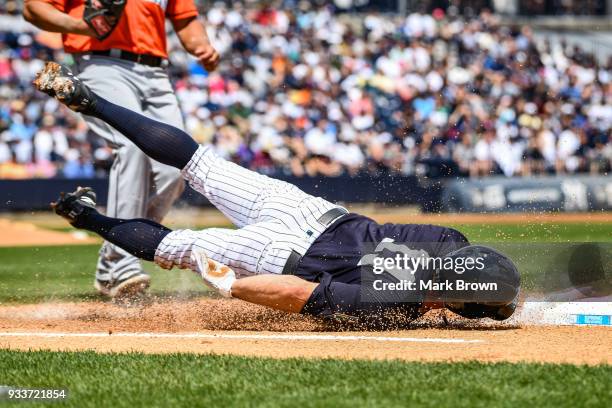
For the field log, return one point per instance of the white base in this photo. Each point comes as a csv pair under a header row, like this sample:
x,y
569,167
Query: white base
x,y
563,313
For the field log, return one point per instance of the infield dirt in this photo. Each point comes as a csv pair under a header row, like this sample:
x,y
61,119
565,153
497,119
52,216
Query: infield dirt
x,y
21,233
213,317
497,342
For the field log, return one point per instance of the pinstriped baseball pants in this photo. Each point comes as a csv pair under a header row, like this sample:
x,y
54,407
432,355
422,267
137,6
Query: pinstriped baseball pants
x,y
273,218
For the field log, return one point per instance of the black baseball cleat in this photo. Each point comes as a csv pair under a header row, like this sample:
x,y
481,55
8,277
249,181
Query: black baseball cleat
x,y
59,82
71,205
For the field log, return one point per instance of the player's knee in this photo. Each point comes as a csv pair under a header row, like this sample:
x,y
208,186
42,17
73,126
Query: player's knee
x,y
177,249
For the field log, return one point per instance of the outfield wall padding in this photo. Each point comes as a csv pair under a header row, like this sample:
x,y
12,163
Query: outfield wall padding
x,y
35,194
501,194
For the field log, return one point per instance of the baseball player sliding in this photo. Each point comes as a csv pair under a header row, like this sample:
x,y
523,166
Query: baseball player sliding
x,y
291,251
119,50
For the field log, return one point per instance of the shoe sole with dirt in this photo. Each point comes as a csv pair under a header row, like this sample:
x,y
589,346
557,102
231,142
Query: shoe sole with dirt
x,y
53,81
131,287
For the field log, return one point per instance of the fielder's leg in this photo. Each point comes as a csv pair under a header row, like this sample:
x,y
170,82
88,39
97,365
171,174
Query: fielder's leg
x,y
160,103
129,178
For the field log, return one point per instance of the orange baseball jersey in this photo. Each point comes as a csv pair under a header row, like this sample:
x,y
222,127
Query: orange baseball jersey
x,y
141,28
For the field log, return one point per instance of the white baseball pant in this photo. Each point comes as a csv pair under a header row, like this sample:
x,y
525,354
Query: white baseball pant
x,y
273,218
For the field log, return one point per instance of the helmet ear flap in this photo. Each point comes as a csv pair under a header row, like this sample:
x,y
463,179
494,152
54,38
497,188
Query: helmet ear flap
x,y
479,311
504,312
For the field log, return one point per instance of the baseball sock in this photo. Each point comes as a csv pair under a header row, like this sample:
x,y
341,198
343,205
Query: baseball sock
x,y
164,143
139,237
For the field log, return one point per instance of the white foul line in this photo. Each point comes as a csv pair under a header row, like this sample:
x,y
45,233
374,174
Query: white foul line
x,y
321,337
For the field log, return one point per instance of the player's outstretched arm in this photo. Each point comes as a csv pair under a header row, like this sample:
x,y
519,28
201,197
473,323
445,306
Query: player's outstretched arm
x,y
282,292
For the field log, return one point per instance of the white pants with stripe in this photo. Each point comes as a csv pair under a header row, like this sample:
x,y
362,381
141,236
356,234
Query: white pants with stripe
x,y
273,218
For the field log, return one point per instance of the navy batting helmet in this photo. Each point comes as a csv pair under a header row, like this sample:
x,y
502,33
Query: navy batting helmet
x,y
483,283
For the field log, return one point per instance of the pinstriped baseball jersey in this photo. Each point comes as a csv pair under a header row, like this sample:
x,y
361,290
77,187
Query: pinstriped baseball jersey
x,y
274,218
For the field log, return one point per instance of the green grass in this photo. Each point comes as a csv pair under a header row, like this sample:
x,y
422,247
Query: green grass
x,y
543,232
30,274
131,380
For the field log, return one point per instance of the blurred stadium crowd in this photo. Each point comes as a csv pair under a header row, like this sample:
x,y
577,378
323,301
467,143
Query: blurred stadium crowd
x,y
304,91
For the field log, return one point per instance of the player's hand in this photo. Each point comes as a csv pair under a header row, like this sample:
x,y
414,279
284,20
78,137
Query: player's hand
x,y
207,56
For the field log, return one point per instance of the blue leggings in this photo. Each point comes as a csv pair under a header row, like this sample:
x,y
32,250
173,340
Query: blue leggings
x,y
159,141
162,142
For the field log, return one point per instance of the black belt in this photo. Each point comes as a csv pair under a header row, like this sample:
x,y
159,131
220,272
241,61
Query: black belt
x,y
326,219
144,59
332,215
292,263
